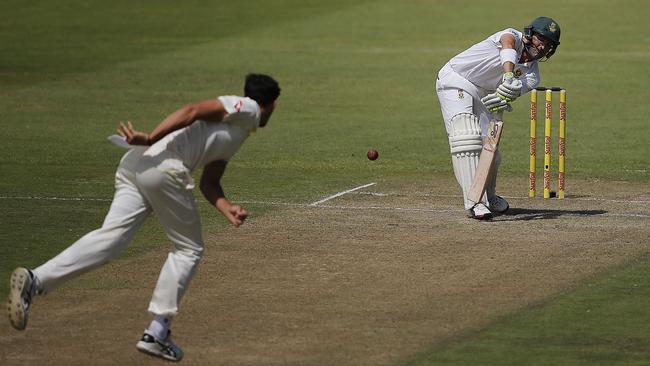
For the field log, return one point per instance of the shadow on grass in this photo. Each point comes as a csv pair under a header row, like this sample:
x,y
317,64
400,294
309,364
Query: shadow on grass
x,y
524,214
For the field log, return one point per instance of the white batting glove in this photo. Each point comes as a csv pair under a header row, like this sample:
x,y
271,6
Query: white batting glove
x,y
510,88
494,103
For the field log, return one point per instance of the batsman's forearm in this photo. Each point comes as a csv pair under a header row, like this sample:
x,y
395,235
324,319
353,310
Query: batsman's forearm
x,y
177,120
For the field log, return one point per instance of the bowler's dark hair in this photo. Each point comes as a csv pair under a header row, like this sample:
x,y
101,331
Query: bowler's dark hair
x,y
261,88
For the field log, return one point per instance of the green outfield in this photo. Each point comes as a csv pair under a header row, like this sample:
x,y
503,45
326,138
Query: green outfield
x,y
599,323
354,75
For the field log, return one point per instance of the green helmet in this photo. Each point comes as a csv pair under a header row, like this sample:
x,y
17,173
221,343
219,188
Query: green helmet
x,y
546,27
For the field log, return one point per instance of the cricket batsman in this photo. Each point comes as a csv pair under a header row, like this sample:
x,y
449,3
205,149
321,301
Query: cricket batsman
x,y
477,85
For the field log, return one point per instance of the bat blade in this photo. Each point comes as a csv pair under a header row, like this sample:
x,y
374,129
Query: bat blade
x,y
486,161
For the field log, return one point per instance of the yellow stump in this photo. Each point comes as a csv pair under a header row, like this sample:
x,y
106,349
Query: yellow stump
x,y
561,155
547,144
533,143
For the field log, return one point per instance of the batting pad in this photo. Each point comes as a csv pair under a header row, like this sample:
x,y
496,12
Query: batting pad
x,y
465,143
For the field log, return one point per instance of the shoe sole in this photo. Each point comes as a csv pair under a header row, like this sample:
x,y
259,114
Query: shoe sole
x,y
482,217
18,283
485,216
144,347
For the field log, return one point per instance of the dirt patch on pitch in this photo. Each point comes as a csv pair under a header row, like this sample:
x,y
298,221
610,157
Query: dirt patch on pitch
x,y
368,278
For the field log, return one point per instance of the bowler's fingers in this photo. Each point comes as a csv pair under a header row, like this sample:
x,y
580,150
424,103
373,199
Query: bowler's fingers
x,y
235,221
126,130
242,214
120,130
237,215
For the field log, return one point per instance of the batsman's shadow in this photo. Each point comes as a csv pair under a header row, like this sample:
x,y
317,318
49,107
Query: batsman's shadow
x,y
525,214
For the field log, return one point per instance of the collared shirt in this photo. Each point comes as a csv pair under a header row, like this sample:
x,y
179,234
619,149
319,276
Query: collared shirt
x,y
203,142
481,63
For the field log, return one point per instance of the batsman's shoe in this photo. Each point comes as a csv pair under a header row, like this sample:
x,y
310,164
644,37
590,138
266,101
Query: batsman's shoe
x,y
163,348
498,204
480,212
22,288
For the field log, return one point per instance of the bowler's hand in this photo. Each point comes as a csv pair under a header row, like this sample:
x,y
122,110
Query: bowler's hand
x,y
235,214
133,137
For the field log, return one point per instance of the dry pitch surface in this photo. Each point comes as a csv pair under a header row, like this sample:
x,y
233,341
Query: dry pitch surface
x,y
367,278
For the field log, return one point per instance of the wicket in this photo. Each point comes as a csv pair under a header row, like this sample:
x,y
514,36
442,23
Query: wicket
x,y
547,141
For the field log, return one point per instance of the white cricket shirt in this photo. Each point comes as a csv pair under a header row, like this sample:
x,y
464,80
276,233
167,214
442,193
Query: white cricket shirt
x,y
204,142
481,63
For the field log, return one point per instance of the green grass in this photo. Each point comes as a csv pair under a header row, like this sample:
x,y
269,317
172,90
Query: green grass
x,y
600,323
354,75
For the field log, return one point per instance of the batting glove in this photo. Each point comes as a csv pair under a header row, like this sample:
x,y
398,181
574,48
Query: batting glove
x,y
510,88
494,103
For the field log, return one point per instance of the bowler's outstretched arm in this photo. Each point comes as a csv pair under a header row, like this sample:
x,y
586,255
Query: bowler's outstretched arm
x,y
211,110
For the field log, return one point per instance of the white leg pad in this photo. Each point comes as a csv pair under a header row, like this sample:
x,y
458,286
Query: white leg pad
x,y
465,143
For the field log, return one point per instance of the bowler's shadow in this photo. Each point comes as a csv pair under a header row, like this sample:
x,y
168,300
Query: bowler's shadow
x,y
524,214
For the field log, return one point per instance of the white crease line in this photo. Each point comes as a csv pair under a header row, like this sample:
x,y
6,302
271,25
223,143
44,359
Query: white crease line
x,y
341,193
607,200
381,194
303,205
338,207
627,215
433,210
407,209
376,194
267,203
55,198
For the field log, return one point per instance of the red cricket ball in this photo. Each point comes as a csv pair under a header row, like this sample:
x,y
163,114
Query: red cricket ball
x,y
373,154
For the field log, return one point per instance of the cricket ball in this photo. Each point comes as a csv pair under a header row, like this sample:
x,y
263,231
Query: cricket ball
x,y
373,154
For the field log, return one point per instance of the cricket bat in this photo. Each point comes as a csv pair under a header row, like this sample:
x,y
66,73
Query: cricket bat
x,y
486,160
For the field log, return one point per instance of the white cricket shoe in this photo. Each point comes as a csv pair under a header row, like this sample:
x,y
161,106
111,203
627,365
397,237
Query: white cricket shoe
x,y
480,212
22,287
163,348
498,204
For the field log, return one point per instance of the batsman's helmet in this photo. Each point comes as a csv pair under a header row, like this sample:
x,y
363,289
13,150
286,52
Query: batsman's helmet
x,y
548,28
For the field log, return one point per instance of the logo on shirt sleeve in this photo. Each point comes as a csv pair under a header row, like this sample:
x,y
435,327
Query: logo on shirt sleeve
x,y
239,106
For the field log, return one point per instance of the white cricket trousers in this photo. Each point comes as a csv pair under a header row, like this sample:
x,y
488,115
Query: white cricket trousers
x,y
457,95
142,184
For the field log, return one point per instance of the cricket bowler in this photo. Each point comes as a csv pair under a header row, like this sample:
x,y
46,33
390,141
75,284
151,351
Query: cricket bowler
x,y
154,176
